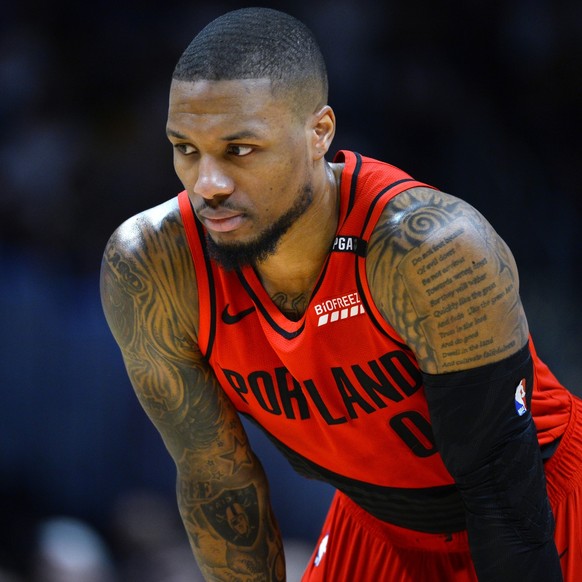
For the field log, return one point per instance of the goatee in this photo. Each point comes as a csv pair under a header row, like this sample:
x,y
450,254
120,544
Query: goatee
x,y
236,255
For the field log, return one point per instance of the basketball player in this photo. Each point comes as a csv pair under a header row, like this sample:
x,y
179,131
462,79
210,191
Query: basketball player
x,y
369,323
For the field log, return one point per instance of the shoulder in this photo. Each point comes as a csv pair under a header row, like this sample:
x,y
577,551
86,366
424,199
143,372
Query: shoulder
x,y
143,230
446,281
424,210
422,225
147,264
146,245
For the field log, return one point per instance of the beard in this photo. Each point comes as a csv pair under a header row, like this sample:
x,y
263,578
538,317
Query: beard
x,y
236,255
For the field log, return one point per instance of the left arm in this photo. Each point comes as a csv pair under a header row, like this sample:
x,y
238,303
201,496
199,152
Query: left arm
x,y
448,284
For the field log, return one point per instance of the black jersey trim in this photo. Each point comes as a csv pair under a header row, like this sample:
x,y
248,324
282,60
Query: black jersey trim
x,y
429,509
373,319
281,331
354,183
321,278
379,195
359,283
276,327
211,288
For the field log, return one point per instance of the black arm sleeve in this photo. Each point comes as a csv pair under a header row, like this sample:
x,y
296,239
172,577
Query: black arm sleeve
x,y
487,439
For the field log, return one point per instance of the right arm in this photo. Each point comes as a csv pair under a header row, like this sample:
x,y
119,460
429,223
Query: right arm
x,y
149,298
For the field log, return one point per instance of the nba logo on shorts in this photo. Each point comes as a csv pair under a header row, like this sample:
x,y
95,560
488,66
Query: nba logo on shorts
x,y
321,550
520,403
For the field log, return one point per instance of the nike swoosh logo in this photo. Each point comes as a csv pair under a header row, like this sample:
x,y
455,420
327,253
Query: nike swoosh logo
x,y
230,318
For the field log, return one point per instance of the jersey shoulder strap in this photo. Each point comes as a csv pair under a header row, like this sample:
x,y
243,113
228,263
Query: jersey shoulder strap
x,y
370,185
203,272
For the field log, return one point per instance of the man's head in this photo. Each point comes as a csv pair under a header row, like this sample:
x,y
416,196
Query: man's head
x,y
250,127
259,43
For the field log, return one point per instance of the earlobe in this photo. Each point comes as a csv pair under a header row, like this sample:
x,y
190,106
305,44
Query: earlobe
x,y
323,131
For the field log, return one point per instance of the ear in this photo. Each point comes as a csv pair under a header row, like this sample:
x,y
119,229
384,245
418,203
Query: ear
x,y
322,131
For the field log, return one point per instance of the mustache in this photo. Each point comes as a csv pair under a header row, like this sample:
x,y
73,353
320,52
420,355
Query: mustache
x,y
223,204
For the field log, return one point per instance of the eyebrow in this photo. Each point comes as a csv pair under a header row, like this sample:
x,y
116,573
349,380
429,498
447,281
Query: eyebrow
x,y
174,133
244,134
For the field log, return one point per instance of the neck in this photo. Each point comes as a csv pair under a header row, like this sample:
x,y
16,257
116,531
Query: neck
x,y
290,274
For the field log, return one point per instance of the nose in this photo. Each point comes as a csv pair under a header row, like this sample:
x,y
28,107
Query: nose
x,y
212,181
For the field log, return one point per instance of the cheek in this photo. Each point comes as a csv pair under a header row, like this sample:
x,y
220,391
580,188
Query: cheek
x,y
276,198
186,170
286,183
179,169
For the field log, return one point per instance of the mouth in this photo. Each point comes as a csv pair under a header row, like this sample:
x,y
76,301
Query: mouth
x,y
221,220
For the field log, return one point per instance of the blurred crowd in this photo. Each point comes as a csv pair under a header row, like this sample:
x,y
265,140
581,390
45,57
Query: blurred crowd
x,y
480,99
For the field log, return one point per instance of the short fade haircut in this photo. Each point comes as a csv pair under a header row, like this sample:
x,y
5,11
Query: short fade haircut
x,y
259,43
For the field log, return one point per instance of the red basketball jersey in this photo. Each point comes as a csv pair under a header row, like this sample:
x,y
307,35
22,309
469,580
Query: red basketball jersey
x,y
338,390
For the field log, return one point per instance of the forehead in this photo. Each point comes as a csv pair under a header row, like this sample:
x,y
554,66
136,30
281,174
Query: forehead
x,y
212,102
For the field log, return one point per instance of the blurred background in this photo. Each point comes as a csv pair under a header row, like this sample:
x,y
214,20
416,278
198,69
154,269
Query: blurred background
x,y
481,99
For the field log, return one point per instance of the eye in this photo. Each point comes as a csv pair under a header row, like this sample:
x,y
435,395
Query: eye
x,y
185,149
239,150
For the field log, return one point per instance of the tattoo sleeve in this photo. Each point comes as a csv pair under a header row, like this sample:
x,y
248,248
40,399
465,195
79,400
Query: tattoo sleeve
x,y
149,298
446,282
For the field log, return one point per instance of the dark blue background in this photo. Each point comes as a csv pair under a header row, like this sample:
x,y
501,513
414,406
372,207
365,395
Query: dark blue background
x,y
481,99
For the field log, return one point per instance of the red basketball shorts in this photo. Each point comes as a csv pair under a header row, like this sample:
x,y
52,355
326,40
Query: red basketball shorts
x,y
356,547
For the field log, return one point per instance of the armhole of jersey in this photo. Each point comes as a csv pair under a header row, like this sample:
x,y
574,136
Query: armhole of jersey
x,y
202,271
376,208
